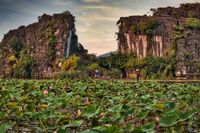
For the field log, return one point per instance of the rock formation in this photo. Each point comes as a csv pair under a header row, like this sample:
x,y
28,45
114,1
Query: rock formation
x,y
166,29
38,47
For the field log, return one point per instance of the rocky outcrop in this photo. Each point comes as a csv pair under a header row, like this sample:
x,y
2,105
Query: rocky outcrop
x,y
44,42
188,54
155,35
133,35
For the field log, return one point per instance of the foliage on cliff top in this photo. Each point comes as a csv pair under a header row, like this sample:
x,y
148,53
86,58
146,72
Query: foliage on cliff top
x,y
145,27
193,23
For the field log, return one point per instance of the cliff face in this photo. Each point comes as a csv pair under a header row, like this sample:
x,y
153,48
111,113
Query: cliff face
x,y
188,53
155,35
134,36
42,43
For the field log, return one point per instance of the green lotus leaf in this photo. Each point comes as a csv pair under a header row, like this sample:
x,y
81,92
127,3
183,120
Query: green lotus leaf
x,y
91,111
159,107
2,115
168,120
128,128
170,105
3,128
148,127
184,116
111,129
89,131
143,114
138,130
75,123
99,128
117,108
60,130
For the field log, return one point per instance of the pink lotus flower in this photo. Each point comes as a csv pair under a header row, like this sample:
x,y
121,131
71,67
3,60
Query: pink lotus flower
x,y
45,92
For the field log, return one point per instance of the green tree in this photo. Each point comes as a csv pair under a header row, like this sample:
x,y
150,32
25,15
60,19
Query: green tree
x,y
122,61
153,67
94,66
71,63
24,66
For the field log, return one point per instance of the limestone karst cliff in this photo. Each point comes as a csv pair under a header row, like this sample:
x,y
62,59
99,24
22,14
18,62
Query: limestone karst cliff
x,y
168,28
33,51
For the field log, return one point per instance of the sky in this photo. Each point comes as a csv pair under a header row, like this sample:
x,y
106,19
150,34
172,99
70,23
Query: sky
x,y
95,19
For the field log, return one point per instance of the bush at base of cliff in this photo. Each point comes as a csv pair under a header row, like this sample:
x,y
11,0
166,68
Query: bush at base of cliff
x,y
153,67
94,66
72,63
115,73
23,68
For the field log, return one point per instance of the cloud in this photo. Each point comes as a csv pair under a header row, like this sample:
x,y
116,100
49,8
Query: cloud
x,y
97,1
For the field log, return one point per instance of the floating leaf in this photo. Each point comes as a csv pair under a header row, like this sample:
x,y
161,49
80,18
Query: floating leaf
x,y
143,114
137,130
75,123
148,127
185,116
170,105
2,115
3,128
159,107
60,130
117,108
129,128
168,120
91,111
89,131
111,129
99,128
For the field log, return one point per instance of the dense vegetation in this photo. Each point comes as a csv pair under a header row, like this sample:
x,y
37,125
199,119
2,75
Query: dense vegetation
x,y
20,62
145,27
193,23
94,106
151,67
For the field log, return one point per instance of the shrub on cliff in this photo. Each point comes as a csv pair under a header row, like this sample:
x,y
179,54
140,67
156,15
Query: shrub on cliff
x,y
71,63
12,59
148,26
193,23
134,28
23,67
145,27
51,49
16,46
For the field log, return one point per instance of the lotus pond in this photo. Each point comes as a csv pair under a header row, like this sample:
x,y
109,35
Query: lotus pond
x,y
95,106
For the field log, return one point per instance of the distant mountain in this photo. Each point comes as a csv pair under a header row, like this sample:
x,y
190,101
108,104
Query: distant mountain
x,y
105,55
